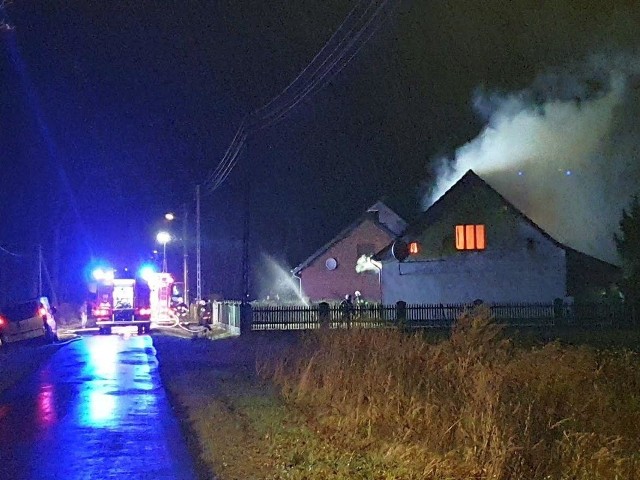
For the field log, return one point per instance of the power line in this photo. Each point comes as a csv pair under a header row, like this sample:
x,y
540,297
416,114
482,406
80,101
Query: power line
x,y
228,162
317,56
328,74
270,114
9,252
223,169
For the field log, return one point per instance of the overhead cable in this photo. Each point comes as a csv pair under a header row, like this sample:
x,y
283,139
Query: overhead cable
x,y
302,87
328,73
316,58
8,252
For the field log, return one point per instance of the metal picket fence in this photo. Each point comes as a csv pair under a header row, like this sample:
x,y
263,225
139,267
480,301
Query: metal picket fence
x,y
415,316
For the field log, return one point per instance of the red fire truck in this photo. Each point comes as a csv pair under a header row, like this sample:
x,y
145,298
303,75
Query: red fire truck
x,y
120,302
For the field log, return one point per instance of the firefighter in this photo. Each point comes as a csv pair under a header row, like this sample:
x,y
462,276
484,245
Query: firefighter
x,y
346,307
359,303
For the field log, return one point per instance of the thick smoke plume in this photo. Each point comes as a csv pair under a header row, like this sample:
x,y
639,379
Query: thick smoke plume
x,y
565,151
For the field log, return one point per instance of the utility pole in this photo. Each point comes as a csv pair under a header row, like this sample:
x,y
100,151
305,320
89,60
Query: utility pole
x,y
185,255
198,253
42,267
40,261
245,236
54,296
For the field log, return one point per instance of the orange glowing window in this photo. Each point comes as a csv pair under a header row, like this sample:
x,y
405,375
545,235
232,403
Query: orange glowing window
x,y
414,248
470,237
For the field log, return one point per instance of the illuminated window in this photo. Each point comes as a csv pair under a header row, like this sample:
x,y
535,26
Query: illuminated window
x,y
414,248
470,237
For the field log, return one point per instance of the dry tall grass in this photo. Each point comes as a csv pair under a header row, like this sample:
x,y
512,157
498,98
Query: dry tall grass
x,y
471,407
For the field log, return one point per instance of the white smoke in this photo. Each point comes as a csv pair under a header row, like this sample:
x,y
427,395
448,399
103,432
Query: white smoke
x,y
565,151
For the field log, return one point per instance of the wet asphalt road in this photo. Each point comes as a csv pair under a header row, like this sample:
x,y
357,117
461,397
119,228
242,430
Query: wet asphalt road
x,y
96,410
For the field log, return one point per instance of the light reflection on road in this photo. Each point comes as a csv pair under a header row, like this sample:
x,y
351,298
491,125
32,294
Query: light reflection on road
x,y
46,411
97,410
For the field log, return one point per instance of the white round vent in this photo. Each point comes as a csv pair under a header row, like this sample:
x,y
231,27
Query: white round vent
x,y
331,263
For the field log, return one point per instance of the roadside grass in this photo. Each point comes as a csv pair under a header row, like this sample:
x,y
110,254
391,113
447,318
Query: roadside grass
x,y
381,404
473,406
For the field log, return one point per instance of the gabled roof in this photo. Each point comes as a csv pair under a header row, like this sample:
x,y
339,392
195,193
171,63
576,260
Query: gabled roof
x,y
393,225
469,180
388,218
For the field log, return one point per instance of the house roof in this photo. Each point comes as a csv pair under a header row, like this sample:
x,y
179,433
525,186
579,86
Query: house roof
x,y
468,180
394,225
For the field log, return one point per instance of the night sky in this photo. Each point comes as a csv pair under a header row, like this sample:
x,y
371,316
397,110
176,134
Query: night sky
x,y
112,112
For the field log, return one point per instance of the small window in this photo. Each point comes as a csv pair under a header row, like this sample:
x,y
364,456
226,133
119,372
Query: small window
x,y
414,248
470,237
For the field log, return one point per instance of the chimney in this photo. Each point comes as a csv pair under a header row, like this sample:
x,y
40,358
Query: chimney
x,y
373,215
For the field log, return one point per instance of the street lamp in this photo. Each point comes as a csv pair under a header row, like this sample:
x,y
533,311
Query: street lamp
x,y
169,217
164,238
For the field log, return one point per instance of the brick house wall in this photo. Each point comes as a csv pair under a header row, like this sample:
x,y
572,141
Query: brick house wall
x,y
320,283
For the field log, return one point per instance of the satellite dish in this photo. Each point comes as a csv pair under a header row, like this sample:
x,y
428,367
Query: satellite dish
x,y
400,250
331,263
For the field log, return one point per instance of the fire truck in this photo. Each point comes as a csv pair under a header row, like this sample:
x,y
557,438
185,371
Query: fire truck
x,y
160,296
130,301
120,302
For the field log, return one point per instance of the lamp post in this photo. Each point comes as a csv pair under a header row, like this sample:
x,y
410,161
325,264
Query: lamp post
x,y
164,238
169,217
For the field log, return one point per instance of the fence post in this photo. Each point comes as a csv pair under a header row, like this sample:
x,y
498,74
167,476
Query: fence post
x,y
401,314
558,312
323,316
246,318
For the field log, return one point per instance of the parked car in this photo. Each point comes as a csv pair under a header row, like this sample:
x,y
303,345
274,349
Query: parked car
x,y
30,319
